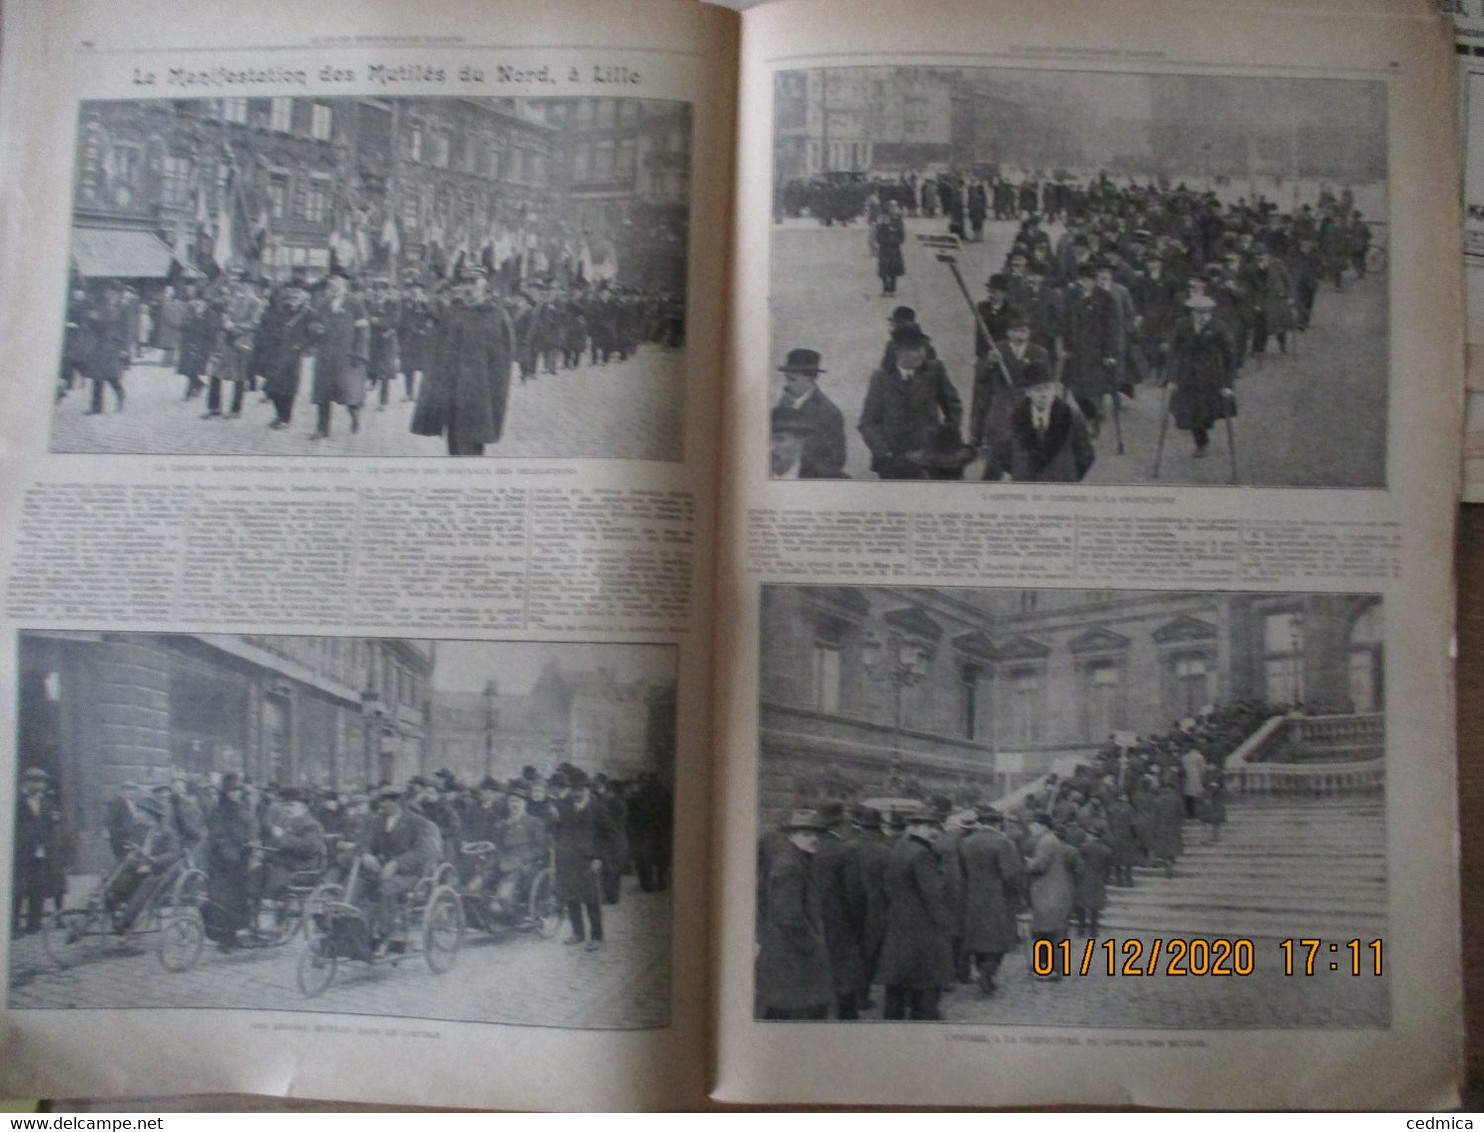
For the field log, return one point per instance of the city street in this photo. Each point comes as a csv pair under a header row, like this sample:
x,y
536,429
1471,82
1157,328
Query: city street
x,y
1316,418
513,979
631,410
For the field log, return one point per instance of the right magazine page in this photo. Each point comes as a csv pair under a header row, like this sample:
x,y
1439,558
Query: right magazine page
x,y
1093,416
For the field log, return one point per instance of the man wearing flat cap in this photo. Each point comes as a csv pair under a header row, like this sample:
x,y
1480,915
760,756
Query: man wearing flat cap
x,y
794,979
823,456
906,406
917,953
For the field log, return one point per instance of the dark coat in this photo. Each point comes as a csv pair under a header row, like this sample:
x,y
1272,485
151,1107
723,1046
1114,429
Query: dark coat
x,y
1202,365
417,334
891,234
824,447
415,843
1271,293
230,829
1062,455
871,852
578,836
38,848
284,336
1169,825
917,952
793,961
340,365
467,388
994,397
901,415
1094,859
1092,332
125,827
992,869
613,841
833,865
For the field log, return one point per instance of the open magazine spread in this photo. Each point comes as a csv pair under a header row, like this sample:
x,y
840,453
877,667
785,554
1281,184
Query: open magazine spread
x,y
386,397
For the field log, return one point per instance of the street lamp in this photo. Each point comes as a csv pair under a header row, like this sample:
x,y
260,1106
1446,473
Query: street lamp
x,y
899,660
489,728
371,711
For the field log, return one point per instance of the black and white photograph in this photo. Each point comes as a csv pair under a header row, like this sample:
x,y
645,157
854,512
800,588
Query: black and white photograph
x,y
377,277
476,831
995,274
1061,807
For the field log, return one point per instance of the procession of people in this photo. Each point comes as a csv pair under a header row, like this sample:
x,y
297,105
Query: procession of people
x,y
920,894
1107,286
450,345
251,840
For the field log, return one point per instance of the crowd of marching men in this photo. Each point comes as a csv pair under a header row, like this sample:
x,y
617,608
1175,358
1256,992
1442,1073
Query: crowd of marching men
x,y
450,345
1167,286
250,839
918,896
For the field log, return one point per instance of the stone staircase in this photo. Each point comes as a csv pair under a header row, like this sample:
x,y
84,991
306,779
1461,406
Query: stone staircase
x,y
1284,867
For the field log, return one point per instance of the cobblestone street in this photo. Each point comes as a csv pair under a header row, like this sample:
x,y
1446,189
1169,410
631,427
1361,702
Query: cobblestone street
x,y
632,410
1314,418
512,979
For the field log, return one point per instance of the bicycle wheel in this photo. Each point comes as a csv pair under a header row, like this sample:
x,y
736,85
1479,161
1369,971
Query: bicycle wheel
x,y
311,913
542,907
316,968
188,891
181,938
443,929
64,935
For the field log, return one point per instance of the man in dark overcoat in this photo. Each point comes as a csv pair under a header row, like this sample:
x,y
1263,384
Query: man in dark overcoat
x,y
834,863
824,444
286,334
115,329
466,391
613,844
905,407
999,385
917,953
793,976
340,362
123,821
230,831
992,869
578,833
870,851
38,852
1046,439
384,313
1202,369
1094,862
1093,343
891,234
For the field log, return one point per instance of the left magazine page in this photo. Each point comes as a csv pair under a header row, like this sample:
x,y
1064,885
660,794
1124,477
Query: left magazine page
x,y
356,467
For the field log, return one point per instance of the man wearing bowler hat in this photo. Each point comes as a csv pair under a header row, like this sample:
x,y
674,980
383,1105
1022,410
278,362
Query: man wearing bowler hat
x,y
794,977
906,405
823,457
1202,367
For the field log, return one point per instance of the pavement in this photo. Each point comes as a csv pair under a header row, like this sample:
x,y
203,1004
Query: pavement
x,y
512,979
1316,418
632,410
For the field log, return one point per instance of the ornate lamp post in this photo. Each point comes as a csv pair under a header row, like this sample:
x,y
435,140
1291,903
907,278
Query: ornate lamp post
x,y
371,712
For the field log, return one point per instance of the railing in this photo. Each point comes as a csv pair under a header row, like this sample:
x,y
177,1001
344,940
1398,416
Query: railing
x,y
1308,779
1255,746
1341,730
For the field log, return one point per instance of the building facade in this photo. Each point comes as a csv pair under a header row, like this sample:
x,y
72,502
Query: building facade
x,y
96,710
959,688
296,186
589,718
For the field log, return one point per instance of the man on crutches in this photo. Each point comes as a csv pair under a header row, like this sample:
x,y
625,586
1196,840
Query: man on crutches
x,y
1201,368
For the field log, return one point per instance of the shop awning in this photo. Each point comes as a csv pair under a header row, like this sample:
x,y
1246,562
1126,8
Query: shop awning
x,y
120,253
